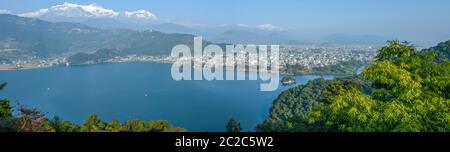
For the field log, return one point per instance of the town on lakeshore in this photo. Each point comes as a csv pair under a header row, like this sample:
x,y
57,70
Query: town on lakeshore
x,y
308,56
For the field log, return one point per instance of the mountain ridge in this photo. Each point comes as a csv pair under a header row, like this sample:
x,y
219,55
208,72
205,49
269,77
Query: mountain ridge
x,y
75,12
22,37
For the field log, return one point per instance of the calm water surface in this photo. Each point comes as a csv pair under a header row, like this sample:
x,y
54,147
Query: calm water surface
x,y
140,91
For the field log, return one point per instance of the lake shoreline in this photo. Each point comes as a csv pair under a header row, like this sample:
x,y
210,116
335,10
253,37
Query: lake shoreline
x,y
10,68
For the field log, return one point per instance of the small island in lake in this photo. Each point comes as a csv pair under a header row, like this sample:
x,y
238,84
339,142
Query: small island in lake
x,y
288,80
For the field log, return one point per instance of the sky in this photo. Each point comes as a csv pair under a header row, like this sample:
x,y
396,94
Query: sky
x,y
414,20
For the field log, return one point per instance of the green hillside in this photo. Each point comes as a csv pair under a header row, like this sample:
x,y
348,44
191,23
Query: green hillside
x,y
25,37
403,90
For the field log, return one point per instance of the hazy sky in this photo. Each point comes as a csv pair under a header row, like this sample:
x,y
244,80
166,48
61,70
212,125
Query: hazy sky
x,y
414,20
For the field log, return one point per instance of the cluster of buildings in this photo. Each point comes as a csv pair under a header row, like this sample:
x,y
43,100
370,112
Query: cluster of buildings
x,y
34,62
311,56
142,58
308,56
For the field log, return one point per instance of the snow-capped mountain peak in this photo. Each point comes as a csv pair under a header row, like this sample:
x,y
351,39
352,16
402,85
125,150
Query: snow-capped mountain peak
x,y
5,11
70,12
143,14
73,10
98,10
269,27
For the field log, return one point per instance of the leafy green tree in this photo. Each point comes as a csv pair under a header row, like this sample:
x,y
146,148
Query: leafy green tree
x,y
93,124
70,127
5,107
443,50
134,126
159,126
351,110
233,125
55,125
395,51
114,126
58,125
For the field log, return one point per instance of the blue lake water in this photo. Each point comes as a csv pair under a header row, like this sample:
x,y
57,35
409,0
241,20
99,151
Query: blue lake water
x,y
143,91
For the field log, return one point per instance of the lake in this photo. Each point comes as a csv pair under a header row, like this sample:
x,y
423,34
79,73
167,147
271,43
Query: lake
x,y
143,91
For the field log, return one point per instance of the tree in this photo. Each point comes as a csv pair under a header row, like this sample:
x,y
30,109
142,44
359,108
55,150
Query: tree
x,y
5,107
93,124
70,127
233,125
7,123
58,125
55,125
395,51
443,50
114,126
351,110
30,120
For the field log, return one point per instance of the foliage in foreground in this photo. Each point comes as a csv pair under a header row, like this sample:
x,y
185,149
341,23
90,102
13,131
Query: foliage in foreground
x,y
403,90
233,125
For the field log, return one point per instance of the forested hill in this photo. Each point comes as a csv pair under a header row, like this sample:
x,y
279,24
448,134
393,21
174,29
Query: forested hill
x,y
443,49
403,90
24,37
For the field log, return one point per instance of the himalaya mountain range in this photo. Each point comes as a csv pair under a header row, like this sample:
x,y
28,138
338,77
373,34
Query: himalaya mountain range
x,y
99,17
